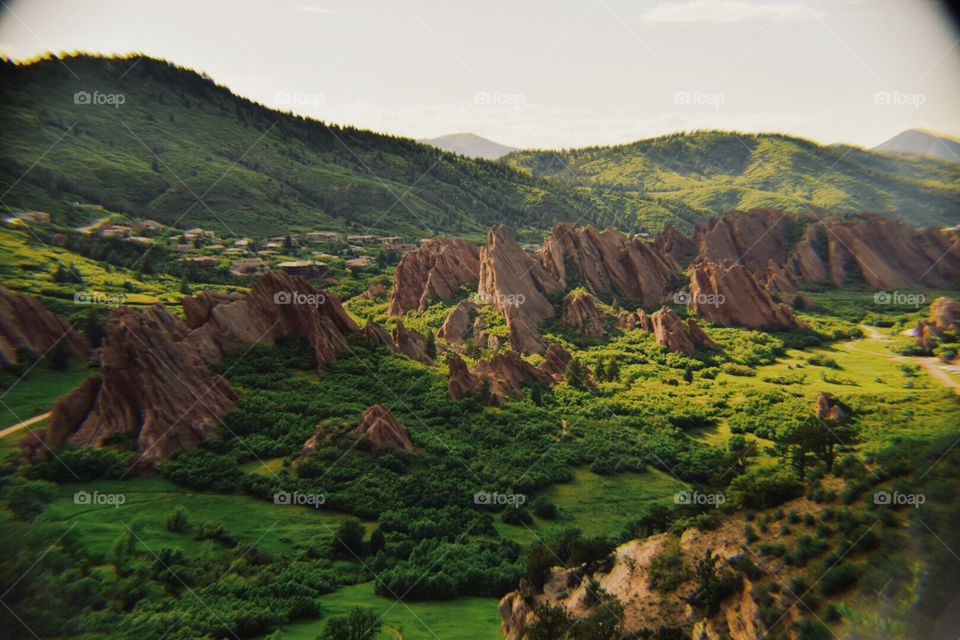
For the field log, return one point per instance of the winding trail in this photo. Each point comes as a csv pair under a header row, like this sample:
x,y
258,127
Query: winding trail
x,y
23,425
930,363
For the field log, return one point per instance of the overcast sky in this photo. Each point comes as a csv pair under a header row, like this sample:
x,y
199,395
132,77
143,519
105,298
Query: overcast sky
x,y
545,73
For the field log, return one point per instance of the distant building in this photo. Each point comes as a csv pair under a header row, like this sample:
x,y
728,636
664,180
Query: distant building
x,y
197,232
273,244
242,242
305,268
362,239
145,226
184,248
362,261
142,240
114,231
249,267
204,262
323,236
235,251
266,252
31,217
214,247
391,241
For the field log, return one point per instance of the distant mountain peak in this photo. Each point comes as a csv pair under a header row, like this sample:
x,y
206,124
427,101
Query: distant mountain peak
x,y
470,145
924,143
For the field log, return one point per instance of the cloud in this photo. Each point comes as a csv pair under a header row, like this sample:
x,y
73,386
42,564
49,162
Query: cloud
x,y
725,12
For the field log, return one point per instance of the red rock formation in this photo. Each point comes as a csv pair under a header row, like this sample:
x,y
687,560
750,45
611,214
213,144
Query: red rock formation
x,y
411,343
28,326
512,280
155,385
434,271
729,295
197,309
780,283
675,248
828,409
460,382
677,335
383,431
379,335
605,262
580,311
457,324
751,238
945,315
507,373
881,252
155,390
555,361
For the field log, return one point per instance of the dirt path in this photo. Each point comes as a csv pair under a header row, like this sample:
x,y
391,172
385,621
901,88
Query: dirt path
x,y
396,632
24,424
931,364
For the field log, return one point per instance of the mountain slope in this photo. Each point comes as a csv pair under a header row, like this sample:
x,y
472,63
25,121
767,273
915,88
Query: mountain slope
x,y
692,176
177,136
470,145
923,143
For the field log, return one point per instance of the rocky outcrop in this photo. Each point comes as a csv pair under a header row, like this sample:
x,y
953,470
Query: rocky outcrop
x,y
677,335
605,262
878,251
751,238
457,324
945,315
514,281
197,309
460,381
29,328
507,372
378,334
434,271
155,388
382,430
580,312
277,306
728,294
634,320
411,344
828,408
677,249
555,361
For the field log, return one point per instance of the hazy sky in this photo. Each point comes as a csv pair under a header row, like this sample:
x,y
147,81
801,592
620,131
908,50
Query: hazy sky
x,y
545,73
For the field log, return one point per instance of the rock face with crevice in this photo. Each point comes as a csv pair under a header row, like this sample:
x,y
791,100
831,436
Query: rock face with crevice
x,y
155,387
411,343
555,361
507,372
728,294
382,430
580,312
28,327
605,262
436,270
460,381
514,281
457,324
678,335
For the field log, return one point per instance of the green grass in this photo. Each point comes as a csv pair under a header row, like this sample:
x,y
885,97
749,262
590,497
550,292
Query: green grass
x,y
597,505
458,619
273,528
38,391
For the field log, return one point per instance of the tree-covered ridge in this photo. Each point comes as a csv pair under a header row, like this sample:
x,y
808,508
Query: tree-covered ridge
x,y
691,175
178,136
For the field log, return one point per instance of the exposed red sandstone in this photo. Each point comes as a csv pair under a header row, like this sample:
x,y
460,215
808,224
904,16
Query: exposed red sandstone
x,y
512,280
378,334
555,361
945,314
434,271
26,326
507,373
827,408
729,295
677,249
457,324
197,309
751,238
677,335
155,387
382,430
605,261
460,381
411,343
580,312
